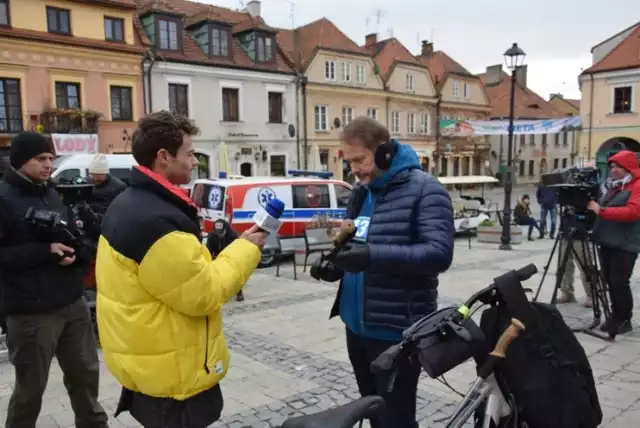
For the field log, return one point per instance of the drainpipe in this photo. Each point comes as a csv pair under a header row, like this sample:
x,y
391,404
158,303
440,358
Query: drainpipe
x,y
143,63
438,160
387,101
590,115
298,78
303,82
153,62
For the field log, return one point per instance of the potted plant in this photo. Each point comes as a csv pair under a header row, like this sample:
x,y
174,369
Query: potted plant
x,y
491,232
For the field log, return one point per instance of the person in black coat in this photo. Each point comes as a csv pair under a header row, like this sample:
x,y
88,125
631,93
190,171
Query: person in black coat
x,y
522,216
218,239
106,186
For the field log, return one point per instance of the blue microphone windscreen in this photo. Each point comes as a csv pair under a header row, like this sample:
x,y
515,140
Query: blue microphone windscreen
x,y
275,208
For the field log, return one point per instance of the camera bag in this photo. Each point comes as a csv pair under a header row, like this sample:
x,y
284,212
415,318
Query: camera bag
x,y
546,372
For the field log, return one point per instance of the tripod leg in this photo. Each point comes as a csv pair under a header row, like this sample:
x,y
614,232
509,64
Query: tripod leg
x,y
546,269
562,268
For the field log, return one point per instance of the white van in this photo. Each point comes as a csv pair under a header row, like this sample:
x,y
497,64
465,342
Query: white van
x,y
72,166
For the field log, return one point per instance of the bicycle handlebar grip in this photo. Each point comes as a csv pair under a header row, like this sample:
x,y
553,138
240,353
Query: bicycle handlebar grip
x,y
511,332
347,228
526,272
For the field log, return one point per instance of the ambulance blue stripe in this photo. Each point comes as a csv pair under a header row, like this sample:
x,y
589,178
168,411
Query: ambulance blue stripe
x,y
301,213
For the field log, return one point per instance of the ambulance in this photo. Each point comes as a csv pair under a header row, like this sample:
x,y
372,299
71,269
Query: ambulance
x,y
306,199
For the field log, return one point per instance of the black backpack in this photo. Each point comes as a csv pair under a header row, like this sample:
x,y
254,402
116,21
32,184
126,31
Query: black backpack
x,y
546,373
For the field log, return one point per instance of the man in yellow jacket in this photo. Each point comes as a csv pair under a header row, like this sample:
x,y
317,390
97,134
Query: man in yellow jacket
x,y
160,295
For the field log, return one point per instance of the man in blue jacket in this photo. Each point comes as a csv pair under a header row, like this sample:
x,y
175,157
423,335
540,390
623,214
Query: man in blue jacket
x,y
547,199
389,273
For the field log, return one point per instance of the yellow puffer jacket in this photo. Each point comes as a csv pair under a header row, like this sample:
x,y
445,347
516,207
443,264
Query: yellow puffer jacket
x,y
160,295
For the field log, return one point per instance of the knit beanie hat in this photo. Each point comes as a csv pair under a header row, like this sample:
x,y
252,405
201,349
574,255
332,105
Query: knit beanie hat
x,y
99,164
26,146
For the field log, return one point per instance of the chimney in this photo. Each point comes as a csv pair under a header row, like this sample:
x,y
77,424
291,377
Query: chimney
x,y
558,95
427,48
494,74
521,76
371,39
253,7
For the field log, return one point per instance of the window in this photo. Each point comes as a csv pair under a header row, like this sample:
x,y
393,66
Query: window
x,y
345,71
532,139
219,42
466,166
330,70
58,20
544,140
121,105
467,91
456,167
168,32
361,76
278,165
324,159
556,139
456,88
275,107
444,166
556,163
372,113
230,105
114,29
311,196
68,174
179,99
622,99
411,123
425,124
4,12
395,122
347,115
521,169
342,195
564,162
409,82
265,48
67,95
531,168
523,140
321,117
10,105
565,138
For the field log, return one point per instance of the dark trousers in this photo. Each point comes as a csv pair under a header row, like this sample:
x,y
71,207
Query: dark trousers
x,y
531,222
401,401
617,267
33,340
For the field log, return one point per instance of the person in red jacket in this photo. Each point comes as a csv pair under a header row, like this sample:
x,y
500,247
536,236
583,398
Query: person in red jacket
x,y
617,231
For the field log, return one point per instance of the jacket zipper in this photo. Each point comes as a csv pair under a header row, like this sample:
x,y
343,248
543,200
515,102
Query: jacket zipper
x,y
206,345
373,206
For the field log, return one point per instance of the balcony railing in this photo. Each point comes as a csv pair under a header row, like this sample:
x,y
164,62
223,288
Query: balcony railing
x,y
59,121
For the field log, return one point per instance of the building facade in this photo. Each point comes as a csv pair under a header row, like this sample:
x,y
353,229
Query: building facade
x,y
460,96
411,96
71,70
223,69
533,154
611,97
570,107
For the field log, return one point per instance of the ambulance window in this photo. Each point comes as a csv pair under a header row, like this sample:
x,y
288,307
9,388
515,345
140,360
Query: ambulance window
x,y
311,196
208,196
342,195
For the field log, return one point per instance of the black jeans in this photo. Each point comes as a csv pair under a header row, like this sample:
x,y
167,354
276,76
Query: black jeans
x,y
33,340
401,401
617,267
531,222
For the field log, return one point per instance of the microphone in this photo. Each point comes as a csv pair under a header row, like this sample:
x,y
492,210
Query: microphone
x,y
267,218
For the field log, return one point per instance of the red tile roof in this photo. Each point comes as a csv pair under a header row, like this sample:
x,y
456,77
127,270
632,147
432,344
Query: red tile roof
x,y
529,105
440,65
388,53
320,34
574,103
624,56
124,4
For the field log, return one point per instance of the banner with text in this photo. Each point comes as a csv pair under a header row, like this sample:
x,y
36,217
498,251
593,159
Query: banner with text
x,y
74,144
462,128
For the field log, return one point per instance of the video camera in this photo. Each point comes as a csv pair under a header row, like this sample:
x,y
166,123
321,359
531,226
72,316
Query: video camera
x,y
575,186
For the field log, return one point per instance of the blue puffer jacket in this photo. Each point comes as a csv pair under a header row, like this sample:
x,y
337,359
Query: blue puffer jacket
x,y
410,239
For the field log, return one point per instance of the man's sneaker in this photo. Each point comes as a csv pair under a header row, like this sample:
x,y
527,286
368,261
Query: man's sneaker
x,y
588,303
565,297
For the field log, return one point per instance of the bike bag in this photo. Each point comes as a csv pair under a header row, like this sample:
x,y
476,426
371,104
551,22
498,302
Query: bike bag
x,y
546,370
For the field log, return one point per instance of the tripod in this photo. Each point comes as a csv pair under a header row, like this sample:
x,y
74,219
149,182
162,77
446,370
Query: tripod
x,y
587,259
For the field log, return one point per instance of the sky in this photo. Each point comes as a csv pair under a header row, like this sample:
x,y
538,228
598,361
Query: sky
x,y
556,35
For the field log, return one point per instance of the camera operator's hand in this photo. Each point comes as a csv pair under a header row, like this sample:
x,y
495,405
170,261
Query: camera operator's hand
x,y
353,258
594,206
255,236
325,271
65,253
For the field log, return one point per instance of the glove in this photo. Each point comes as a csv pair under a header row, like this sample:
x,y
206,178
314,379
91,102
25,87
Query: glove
x,y
326,272
353,259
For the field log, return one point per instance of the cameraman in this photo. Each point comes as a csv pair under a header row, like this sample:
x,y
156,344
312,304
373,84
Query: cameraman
x,y
389,275
220,238
43,294
106,186
617,231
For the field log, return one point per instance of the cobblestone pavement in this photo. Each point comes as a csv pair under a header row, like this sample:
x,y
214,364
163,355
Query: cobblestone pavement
x,y
289,359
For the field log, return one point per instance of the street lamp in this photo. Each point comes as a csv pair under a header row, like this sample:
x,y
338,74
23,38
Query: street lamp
x,y
514,58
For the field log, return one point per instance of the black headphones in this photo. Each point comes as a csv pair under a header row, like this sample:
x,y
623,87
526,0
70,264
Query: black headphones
x,y
384,154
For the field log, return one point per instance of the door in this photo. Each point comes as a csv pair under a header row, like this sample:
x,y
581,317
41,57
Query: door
x,y
246,169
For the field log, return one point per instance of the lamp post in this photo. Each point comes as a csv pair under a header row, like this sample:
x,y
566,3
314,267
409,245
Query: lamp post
x,y
514,58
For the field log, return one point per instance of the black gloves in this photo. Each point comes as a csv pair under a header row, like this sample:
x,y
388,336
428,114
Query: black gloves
x,y
353,259
325,271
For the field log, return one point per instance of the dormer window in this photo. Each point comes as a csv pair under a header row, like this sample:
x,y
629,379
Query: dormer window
x,y
214,39
164,30
259,46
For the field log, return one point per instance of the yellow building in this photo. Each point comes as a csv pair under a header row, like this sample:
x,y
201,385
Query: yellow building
x,y
569,106
611,97
71,67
